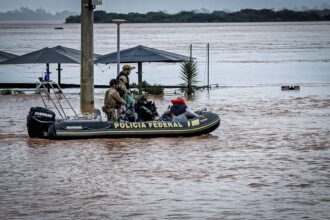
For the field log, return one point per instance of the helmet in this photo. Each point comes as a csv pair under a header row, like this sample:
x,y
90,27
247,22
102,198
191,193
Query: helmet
x,y
128,67
113,82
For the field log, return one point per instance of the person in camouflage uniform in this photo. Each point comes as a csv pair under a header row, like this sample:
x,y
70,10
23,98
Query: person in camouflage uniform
x,y
123,80
112,102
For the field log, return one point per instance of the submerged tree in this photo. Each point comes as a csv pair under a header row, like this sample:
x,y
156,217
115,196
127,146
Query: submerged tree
x,y
189,74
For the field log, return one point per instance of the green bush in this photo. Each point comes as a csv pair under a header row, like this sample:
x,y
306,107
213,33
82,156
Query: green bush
x,y
155,89
11,92
18,92
6,92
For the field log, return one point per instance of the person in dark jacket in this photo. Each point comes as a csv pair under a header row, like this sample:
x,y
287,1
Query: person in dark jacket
x,y
179,111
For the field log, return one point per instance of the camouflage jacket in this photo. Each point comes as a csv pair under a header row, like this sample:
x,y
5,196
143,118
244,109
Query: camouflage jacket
x,y
123,82
112,99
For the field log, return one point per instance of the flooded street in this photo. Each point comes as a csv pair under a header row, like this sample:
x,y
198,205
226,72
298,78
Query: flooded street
x,y
269,159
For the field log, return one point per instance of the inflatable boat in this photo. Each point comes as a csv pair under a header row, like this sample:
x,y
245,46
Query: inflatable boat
x,y
41,123
137,120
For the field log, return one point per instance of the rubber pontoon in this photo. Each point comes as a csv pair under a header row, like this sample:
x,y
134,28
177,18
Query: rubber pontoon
x,y
41,123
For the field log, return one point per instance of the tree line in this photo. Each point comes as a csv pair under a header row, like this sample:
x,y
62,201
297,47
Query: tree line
x,y
25,14
244,15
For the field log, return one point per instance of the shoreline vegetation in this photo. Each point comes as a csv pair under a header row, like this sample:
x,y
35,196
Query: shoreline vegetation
x,y
27,14
244,15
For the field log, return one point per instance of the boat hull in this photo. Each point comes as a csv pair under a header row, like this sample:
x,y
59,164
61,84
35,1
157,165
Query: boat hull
x,y
71,129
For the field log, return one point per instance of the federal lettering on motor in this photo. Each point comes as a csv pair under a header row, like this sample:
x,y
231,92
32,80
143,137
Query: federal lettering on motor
x,y
43,114
122,125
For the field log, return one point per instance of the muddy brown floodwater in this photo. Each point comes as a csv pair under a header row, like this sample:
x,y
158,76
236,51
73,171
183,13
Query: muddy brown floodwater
x,y
269,159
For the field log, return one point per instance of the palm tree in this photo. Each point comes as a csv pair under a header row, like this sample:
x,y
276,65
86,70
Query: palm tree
x,y
189,74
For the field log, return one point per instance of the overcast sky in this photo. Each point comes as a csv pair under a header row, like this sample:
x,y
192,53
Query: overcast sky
x,y
172,6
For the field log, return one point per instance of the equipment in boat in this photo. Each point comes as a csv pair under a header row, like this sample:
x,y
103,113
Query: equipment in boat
x,y
41,122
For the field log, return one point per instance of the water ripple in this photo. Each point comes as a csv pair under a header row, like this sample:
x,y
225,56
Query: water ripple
x,y
268,159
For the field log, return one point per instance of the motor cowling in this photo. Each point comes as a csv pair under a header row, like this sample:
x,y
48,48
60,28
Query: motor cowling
x,y
38,121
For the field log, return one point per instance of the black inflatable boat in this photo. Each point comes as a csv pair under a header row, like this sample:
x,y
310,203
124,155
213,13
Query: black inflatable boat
x,y
41,123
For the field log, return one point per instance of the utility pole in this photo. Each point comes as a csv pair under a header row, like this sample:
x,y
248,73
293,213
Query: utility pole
x,y
140,77
118,22
87,56
190,51
208,67
59,73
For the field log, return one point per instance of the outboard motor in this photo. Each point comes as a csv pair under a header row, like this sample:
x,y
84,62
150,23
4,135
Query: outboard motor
x,y
38,121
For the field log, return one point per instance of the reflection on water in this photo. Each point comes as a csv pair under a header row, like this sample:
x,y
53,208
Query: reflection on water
x,y
268,159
